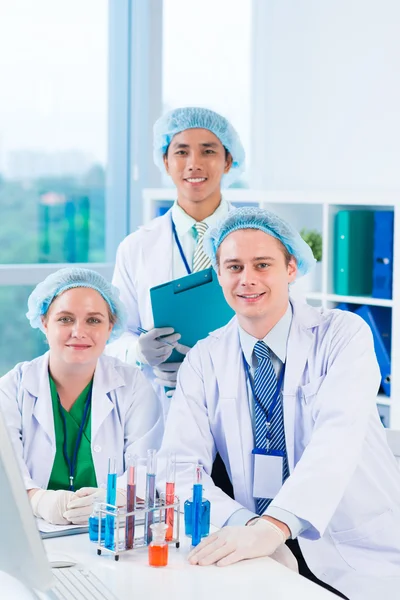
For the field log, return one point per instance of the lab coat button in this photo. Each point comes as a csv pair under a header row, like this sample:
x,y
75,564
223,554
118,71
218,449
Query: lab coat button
x,y
97,448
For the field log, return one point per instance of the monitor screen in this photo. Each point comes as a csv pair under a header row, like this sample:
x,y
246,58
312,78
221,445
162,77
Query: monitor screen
x,y
22,554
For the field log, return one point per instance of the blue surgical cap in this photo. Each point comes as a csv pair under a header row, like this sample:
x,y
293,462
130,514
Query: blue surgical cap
x,y
180,119
264,220
74,277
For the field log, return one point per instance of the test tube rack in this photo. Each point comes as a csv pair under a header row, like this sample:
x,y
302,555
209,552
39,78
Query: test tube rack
x,y
121,514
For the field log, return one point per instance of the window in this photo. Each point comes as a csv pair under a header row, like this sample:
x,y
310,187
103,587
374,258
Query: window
x,y
53,145
53,130
18,341
206,59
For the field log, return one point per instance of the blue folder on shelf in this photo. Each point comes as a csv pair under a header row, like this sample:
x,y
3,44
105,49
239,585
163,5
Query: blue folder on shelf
x,y
379,319
382,273
193,305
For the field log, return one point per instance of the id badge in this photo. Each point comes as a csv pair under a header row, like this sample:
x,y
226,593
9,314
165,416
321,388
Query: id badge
x,y
268,469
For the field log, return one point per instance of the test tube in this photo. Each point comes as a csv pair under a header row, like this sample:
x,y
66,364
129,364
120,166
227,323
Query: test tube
x,y
197,504
130,502
170,495
150,498
111,499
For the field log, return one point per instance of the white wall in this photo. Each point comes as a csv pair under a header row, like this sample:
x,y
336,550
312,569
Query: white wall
x,y
326,94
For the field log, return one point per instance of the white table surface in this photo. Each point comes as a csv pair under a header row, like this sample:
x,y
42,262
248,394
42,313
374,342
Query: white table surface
x,y
132,578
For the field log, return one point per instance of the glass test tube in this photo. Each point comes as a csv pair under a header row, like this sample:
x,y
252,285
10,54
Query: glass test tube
x,y
170,495
197,504
150,498
130,502
111,498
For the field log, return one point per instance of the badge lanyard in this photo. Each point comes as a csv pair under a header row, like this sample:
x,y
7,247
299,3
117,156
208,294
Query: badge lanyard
x,y
181,252
72,463
268,413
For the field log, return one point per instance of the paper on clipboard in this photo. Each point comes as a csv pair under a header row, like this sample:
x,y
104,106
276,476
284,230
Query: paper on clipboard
x,y
47,530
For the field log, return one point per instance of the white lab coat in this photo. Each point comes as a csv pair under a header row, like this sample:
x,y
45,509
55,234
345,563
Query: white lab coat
x,y
343,480
125,417
144,260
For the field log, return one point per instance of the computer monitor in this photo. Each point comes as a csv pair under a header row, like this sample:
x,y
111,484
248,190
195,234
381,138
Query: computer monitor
x,y
22,554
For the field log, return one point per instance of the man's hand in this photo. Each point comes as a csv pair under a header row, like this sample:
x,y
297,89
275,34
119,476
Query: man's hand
x,y
279,524
232,544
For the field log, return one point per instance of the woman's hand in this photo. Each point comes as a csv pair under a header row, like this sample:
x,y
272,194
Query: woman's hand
x,y
51,505
80,505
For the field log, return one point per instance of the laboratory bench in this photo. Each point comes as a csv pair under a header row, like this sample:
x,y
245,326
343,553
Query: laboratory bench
x,y
132,577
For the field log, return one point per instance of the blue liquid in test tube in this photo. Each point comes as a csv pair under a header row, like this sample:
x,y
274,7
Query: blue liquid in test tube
x,y
111,499
150,498
197,505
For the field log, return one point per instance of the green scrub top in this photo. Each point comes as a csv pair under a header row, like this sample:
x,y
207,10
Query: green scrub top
x,y
85,475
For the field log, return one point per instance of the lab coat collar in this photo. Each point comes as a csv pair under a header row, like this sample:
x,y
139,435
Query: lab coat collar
x,y
307,315
305,319
39,388
157,250
30,380
158,222
107,378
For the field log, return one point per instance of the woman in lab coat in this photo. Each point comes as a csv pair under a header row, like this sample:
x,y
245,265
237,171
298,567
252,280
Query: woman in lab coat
x,y
201,152
73,408
340,494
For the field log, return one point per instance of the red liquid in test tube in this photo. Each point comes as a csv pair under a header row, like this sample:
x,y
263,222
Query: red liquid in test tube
x,y
170,496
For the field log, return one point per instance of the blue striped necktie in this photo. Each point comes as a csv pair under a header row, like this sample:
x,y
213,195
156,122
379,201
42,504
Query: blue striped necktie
x,y
265,385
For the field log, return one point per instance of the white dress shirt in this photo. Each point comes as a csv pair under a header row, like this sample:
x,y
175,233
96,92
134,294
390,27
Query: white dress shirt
x,y
187,235
276,340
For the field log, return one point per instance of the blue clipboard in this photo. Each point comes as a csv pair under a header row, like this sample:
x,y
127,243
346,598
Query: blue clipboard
x,y
193,305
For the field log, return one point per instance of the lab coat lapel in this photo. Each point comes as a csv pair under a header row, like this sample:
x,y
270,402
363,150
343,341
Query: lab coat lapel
x,y
300,341
106,380
157,256
235,415
36,382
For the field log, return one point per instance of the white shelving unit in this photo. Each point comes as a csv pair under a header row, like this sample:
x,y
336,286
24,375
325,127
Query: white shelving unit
x,y
317,210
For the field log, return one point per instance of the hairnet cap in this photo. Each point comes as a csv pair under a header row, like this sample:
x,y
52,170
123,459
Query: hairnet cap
x,y
74,277
180,119
270,223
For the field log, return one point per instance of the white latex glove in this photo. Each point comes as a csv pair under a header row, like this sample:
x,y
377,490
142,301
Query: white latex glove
x,y
80,506
51,505
232,544
285,557
154,351
167,373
